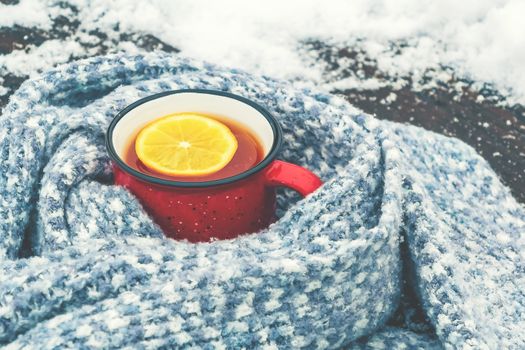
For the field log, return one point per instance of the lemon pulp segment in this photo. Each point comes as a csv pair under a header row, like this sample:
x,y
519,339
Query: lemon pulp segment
x,y
185,144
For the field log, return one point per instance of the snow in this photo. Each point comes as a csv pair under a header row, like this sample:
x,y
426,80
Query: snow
x,y
11,15
49,53
483,40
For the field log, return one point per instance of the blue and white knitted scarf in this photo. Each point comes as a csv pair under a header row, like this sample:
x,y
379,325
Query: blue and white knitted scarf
x,y
407,222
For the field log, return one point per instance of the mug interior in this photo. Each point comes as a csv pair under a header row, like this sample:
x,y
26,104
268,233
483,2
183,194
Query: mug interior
x,y
128,123
127,127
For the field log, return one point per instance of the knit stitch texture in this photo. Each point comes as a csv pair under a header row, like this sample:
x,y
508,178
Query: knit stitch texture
x,y
403,211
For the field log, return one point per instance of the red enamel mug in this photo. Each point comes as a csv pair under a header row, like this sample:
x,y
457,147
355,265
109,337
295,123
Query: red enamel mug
x,y
218,209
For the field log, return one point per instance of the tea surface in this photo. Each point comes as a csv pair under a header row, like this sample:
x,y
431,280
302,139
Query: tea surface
x,y
249,153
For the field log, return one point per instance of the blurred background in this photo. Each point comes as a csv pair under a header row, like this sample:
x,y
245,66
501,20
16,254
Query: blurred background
x,y
454,67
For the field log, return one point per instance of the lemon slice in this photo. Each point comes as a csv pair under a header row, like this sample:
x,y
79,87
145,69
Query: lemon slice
x,y
185,144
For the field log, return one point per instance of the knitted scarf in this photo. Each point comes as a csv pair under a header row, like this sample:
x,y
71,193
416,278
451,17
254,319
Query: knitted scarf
x,y
412,242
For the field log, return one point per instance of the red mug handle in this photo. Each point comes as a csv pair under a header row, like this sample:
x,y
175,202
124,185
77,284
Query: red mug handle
x,y
297,178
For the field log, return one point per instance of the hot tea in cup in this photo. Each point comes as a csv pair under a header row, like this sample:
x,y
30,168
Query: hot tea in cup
x,y
249,151
211,178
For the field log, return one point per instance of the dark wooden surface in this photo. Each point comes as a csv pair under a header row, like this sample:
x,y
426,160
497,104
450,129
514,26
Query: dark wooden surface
x,y
478,117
